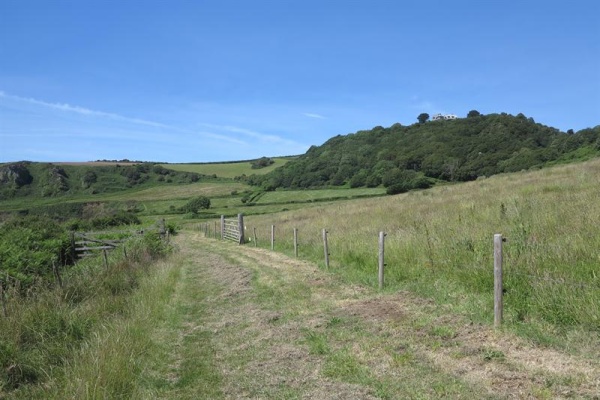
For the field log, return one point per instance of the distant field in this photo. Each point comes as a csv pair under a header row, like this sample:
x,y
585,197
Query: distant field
x,y
286,196
227,170
179,191
165,193
94,163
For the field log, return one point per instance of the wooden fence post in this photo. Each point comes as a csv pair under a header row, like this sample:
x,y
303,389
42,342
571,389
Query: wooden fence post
x,y
296,242
105,258
3,299
215,236
241,228
498,306
162,227
254,231
57,273
222,227
272,237
326,248
73,253
381,258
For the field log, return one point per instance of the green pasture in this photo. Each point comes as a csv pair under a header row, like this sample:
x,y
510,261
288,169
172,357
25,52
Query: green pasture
x,y
439,245
227,170
163,193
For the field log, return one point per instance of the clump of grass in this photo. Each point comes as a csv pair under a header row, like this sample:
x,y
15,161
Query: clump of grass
x,y
317,343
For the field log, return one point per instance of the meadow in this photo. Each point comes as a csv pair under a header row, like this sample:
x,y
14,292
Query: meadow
x,y
438,250
439,245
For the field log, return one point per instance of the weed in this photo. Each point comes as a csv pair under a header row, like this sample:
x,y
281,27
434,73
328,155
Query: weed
x,y
493,355
317,343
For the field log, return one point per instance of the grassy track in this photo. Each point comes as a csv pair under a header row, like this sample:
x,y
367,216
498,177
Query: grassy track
x,y
219,320
282,328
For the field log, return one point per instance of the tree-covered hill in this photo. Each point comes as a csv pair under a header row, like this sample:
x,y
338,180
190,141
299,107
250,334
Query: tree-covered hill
x,y
25,178
406,157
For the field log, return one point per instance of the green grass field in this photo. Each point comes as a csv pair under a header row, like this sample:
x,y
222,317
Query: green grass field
x,y
227,170
438,240
439,244
439,257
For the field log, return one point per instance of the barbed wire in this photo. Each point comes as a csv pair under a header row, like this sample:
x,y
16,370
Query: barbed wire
x,y
558,281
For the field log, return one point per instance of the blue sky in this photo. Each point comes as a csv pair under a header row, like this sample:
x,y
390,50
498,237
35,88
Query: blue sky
x,y
216,80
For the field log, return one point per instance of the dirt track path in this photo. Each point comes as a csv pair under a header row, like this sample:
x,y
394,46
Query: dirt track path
x,y
281,328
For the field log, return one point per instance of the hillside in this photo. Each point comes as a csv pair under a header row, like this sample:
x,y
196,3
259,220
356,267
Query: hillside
x,y
416,156
46,180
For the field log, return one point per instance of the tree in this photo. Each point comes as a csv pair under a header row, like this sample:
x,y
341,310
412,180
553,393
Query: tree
x,y
196,204
89,178
473,113
423,117
262,162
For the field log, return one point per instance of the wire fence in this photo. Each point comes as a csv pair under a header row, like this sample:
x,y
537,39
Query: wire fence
x,y
508,274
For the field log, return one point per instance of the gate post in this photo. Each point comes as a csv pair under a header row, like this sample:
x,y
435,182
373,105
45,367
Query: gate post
x,y
222,227
241,228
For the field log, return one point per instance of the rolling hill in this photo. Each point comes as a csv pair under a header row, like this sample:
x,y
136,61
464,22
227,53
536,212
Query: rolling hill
x,y
416,156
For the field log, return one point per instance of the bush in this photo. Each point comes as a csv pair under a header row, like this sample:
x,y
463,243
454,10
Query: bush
x,y
196,204
30,245
397,188
117,219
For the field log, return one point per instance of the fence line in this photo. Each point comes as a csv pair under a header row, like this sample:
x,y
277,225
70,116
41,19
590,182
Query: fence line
x,y
499,272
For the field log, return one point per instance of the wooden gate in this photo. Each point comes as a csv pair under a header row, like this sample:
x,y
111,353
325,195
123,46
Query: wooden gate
x,y
87,244
233,229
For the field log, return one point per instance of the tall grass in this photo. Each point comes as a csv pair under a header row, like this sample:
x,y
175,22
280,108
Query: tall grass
x,y
439,244
46,326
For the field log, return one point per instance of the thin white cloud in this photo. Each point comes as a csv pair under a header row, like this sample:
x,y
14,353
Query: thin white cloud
x,y
95,113
83,110
220,137
257,135
313,115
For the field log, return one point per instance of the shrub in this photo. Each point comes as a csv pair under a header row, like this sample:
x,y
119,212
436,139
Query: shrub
x,y
397,188
29,245
196,204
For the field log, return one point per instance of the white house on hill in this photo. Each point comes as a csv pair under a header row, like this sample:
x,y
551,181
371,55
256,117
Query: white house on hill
x,y
439,117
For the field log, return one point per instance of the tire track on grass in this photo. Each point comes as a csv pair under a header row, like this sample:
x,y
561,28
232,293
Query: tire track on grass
x,y
503,364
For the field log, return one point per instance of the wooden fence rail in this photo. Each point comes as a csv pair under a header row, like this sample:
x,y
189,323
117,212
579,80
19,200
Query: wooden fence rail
x,y
86,244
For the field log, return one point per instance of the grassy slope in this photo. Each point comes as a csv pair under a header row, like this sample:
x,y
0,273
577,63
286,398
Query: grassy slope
x,y
227,170
439,244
